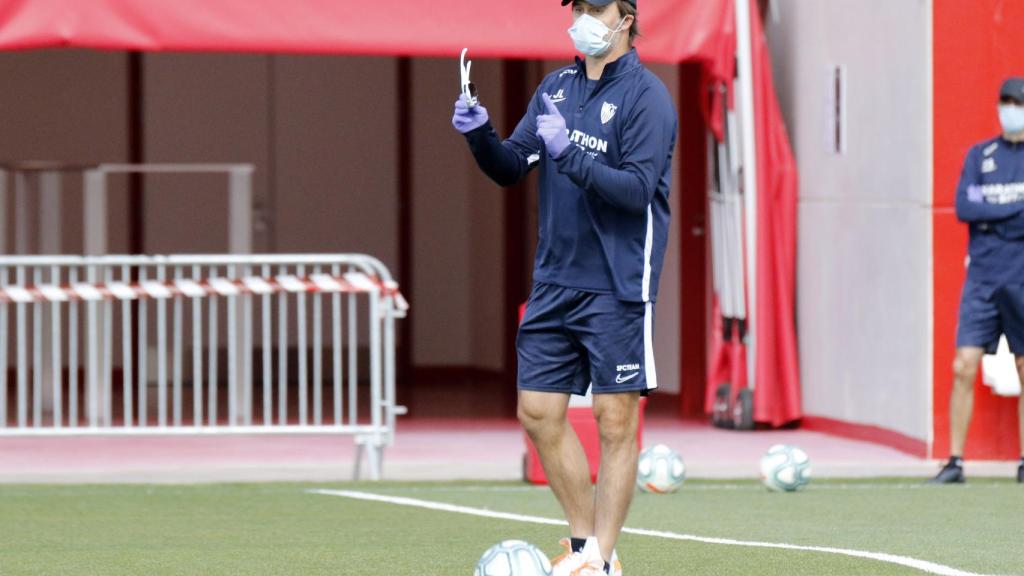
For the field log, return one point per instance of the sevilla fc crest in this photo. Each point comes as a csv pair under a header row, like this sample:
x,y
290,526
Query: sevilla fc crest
x,y
608,112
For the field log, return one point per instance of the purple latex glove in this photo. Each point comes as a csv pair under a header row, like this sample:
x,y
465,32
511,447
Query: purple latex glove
x,y
551,129
468,118
975,194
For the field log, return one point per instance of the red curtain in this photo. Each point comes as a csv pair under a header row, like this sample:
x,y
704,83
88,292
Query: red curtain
x,y
777,373
777,369
674,31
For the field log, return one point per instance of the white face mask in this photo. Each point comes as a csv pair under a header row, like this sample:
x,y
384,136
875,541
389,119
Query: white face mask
x,y
1012,118
591,36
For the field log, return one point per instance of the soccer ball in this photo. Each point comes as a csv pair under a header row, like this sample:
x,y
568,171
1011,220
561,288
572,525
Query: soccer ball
x,y
661,470
513,558
785,468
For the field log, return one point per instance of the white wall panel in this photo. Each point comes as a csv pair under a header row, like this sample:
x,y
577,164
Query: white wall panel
x,y
864,264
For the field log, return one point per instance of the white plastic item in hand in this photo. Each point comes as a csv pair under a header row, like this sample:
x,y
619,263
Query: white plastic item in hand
x,y
468,88
999,371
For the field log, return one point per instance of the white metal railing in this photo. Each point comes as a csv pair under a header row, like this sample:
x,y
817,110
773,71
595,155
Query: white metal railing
x,y
137,363
39,189
240,200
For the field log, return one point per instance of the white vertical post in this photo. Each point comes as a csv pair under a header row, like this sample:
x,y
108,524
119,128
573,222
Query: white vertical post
x,y
282,356
213,380
22,351
57,362
127,381
336,348
197,354
376,385
73,332
240,210
390,395
108,353
161,351
38,370
143,354
108,307
300,316
95,212
266,308
92,366
49,212
318,368
247,353
353,351
23,221
232,303
744,60
177,351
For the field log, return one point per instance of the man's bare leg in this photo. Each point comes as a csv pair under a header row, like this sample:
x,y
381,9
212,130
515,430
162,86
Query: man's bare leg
x,y
617,419
543,415
961,403
1020,405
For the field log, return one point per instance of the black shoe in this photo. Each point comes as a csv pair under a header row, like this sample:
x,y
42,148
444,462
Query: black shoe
x,y
950,474
1020,473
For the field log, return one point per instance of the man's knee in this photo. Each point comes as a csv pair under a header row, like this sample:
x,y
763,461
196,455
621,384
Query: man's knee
x,y
538,411
617,424
965,370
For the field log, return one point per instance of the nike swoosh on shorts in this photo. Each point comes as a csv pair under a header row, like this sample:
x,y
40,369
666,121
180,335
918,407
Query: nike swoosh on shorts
x,y
619,379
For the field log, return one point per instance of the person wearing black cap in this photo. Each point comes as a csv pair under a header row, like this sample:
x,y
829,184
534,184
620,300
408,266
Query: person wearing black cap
x,y
990,200
602,132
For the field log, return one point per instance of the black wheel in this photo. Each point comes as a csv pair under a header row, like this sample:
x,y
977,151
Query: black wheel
x,y
721,414
743,411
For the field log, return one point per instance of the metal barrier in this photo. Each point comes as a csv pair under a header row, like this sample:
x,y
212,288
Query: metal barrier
x,y
137,363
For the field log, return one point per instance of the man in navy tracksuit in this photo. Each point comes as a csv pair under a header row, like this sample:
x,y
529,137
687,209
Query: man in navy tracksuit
x,y
990,200
602,132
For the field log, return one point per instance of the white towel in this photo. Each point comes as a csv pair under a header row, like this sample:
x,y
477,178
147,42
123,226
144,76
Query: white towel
x,y
999,371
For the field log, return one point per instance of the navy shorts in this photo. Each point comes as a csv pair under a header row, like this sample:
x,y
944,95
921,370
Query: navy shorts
x,y
988,311
570,339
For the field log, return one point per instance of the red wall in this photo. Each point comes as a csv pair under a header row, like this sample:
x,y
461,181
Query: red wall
x,y
976,46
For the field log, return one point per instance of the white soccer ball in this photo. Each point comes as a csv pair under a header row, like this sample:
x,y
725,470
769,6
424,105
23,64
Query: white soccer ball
x,y
513,558
785,468
661,470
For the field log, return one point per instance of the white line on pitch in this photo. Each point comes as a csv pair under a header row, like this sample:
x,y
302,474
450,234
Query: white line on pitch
x,y
714,487
922,565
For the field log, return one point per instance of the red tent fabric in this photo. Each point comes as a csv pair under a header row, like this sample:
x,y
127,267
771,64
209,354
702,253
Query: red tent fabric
x,y
777,370
674,31
777,373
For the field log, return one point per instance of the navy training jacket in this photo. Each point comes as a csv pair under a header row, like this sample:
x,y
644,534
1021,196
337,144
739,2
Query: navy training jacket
x,y
604,210
990,199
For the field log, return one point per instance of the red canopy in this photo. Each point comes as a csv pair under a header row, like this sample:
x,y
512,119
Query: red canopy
x,y
674,31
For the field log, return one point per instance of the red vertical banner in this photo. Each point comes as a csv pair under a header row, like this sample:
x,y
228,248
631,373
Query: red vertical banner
x,y
976,46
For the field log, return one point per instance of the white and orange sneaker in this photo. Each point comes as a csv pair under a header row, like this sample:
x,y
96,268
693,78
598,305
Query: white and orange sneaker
x,y
566,545
586,562
616,565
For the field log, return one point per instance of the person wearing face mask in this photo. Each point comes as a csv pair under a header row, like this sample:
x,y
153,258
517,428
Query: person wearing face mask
x,y
990,200
602,133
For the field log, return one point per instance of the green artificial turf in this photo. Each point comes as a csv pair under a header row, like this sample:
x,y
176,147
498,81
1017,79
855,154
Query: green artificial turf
x,y
283,529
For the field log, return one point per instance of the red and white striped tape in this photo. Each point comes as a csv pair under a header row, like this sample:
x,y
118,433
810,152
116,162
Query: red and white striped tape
x,y
350,283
